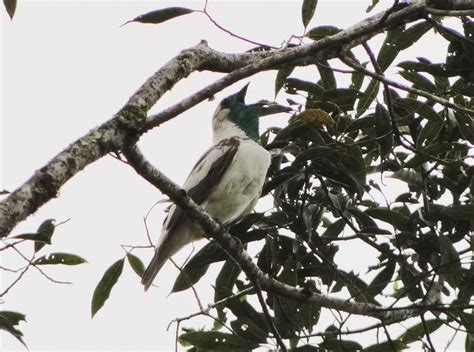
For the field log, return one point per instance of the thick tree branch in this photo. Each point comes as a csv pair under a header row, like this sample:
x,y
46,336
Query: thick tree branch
x,y
234,248
130,122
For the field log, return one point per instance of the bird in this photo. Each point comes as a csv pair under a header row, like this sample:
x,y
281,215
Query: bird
x,y
226,181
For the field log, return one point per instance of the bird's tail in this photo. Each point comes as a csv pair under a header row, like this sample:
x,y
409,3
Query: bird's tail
x,y
153,268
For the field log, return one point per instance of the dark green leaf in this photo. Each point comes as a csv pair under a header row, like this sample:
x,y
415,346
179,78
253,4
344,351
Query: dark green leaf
x,y
321,32
466,125
386,346
13,317
429,133
313,153
307,11
249,330
214,340
422,109
328,79
60,258
136,264
159,16
383,130
389,216
382,279
225,281
282,74
362,123
7,325
432,149
45,230
334,229
368,97
198,265
334,344
105,285
419,81
460,212
10,6
372,5
416,332
450,264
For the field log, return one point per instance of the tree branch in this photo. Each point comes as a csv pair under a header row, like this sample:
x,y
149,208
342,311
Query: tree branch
x,y
131,122
234,249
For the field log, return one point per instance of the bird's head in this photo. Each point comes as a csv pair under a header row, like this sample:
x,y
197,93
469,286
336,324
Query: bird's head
x,y
233,114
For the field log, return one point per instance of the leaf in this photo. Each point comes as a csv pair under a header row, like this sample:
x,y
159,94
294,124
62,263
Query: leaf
x,y
418,107
382,279
105,285
313,153
45,230
466,125
215,340
60,258
282,74
372,5
450,264
333,344
136,264
321,32
197,266
8,326
225,281
368,97
386,346
249,330
13,317
383,130
416,332
307,11
334,229
10,6
459,212
328,80
159,16
389,216
432,149
419,81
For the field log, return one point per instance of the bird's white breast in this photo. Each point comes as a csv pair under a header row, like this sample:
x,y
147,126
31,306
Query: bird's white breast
x,y
241,184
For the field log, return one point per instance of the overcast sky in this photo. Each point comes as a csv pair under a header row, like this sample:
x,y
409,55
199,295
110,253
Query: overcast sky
x,y
68,67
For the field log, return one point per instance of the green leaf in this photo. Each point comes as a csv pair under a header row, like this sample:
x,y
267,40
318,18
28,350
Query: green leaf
x,y
419,81
214,340
225,281
249,330
13,317
386,346
418,107
313,153
10,6
368,97
466,125
136,264
45,230
328,79
9,327
307,11
197,266
333,344
416,332
432,149
382,279
321,32
389,216
450,264
383,130
60,258
282,74
459,212
334,229
105,285
159,16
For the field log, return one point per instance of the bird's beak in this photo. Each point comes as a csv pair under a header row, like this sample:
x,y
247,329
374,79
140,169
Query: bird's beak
x,y
240,96
266,107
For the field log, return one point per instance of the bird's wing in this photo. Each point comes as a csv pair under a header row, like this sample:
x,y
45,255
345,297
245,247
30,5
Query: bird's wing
x,y
205,174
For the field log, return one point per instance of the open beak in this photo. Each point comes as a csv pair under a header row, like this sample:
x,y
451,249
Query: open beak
x,y
266,107
240,96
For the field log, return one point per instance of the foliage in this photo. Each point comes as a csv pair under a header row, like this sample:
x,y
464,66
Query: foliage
x,y
333,165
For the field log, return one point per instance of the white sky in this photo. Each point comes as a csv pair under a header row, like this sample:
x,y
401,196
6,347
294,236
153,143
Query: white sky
x,y
66,68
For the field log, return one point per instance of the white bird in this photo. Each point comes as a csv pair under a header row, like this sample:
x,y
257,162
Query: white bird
x,y
226,181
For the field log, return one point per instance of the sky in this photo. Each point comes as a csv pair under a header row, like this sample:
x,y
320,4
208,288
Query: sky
x,y
68,67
